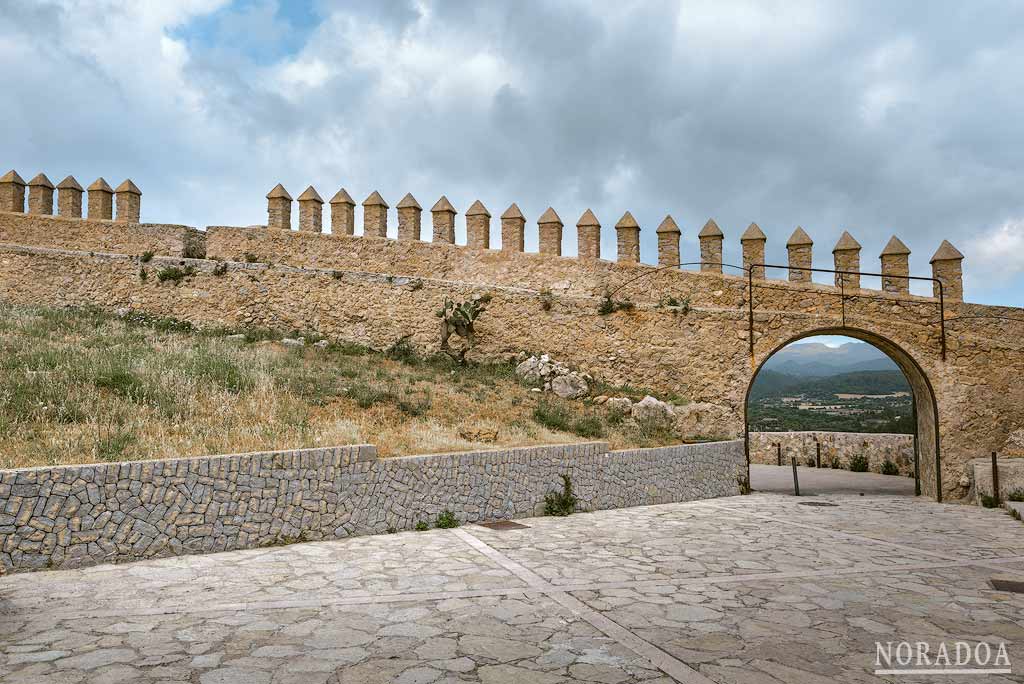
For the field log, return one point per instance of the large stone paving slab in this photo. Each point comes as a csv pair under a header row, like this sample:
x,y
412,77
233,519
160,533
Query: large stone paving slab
x,y
662,542
741,590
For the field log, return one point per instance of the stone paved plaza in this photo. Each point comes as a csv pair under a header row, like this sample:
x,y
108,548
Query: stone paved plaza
x,y
740,590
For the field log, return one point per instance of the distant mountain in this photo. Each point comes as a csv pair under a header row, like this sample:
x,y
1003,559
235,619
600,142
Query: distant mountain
x,y
819,360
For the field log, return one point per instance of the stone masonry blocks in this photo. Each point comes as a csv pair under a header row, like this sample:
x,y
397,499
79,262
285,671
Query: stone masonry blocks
x,y
800,248
129,202
279,209
101,200
895,260
149,509
375,216
343,213
753,241
711,239
627,232
668,242
69,198
946,267
12,192
409,213
846,256
549,233
478,226
311,211
443,221
40,195
513,227
588,236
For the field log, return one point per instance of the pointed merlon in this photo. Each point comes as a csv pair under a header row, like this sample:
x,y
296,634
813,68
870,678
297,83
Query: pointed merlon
x,y
277,193
668,226
627,221
753,232
12,177
799,238
408,202
375,199
710,229
478,209
846,243
443,205
69,183
129,188
513,212
895,246
310,193
41,180
100,185
946,252
549,216
588,219
342,197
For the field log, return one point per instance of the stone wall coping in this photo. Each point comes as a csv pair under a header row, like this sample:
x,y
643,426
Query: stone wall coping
x,y
114,223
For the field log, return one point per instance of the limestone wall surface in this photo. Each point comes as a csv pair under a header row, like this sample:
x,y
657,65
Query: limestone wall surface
x,y
698,350
878,447
1011,477
71,516
120,237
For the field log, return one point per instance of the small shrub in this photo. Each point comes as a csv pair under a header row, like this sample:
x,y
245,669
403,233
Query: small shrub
x,y
403,351
889,468
251,258
1016,495
561,503
809,462
552,416
989,501
422,526
834,464
547,300
143,276
1014,514
366,396
175,274
446,520
415,407
337,275
859,463
220,269
146,257
392,530
588,426
610,306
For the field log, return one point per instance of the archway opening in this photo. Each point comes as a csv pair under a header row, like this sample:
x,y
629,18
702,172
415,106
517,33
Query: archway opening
x,y
844,399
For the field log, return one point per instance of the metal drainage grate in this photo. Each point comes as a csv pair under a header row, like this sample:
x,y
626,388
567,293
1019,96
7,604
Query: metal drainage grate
x,y
816,503
503,525
1011,584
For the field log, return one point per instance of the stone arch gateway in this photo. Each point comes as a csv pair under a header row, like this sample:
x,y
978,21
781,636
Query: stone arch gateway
x,y
927,442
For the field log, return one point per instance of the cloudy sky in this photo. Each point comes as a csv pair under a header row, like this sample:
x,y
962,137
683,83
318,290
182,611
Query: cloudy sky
x,y
875,117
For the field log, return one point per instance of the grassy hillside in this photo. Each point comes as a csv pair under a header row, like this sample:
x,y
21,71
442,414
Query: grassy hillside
x,y
80,385
771,383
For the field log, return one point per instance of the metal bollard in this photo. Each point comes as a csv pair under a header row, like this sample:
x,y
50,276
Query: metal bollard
x,y
995,478
796,480
817,455
778,453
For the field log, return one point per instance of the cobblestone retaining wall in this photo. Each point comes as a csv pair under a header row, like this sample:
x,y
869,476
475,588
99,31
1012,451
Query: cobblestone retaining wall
x,y
834,445
71,516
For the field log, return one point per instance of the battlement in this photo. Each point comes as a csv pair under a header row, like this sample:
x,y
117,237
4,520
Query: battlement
x,y
69,229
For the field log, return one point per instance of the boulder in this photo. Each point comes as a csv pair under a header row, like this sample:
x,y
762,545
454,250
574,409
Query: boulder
x,y
620,404
650,409
529,370
704,421
570,386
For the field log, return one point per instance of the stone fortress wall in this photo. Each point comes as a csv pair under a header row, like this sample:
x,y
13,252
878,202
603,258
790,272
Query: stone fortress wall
x,y
71,516
698,334
838,446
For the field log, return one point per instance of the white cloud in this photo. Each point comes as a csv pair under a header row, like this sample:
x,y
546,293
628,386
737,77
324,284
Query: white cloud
x,y
999,252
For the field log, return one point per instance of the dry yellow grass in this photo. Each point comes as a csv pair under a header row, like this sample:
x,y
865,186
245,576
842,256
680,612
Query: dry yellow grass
x,y
80,386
